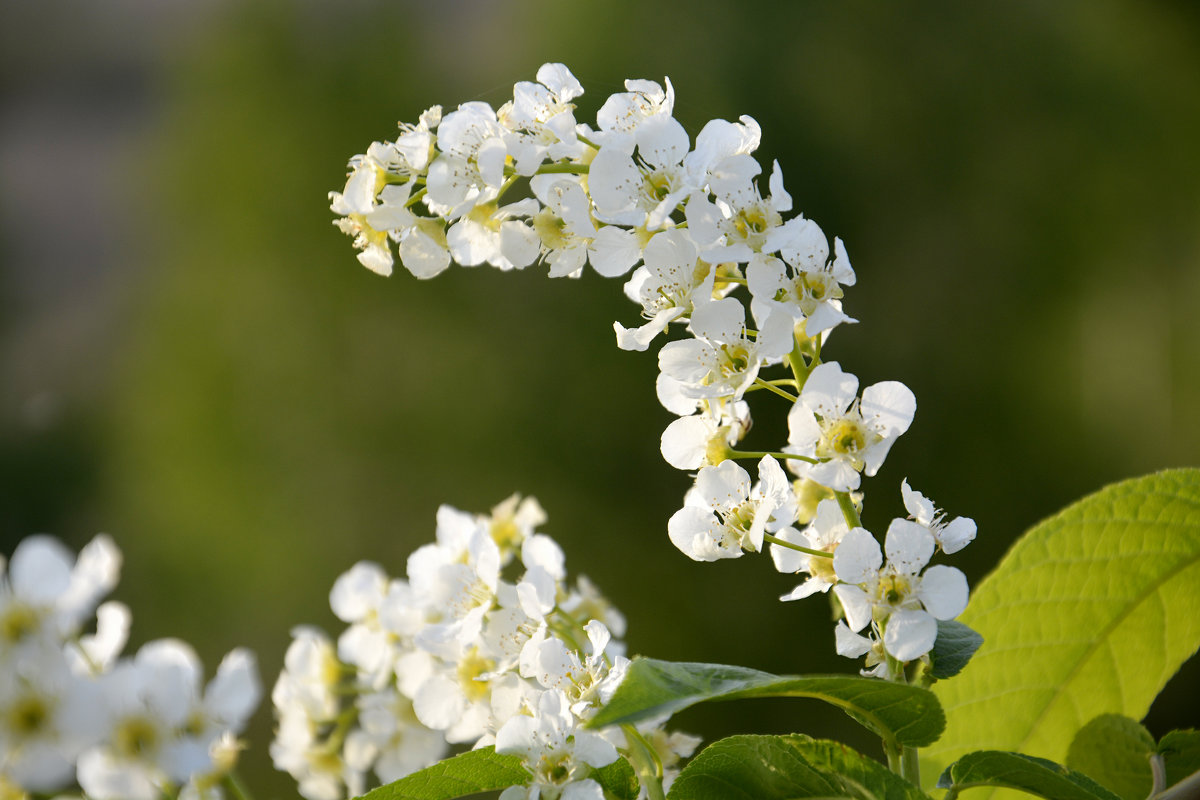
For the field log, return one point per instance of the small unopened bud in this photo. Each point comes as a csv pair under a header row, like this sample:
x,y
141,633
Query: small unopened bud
x,y
808,495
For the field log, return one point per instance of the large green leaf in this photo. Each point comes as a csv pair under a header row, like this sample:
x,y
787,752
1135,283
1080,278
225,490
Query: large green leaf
x,y
787,768
1018,771
475,771
1091,612
899,714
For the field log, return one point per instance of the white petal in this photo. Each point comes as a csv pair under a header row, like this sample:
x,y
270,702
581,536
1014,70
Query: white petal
x,y
422,255
358,591
614,250
858,557
684,443
909,546
849,643
918,505
943,591
957,534
720,320
889,406
829,391
593,749
910,634
40,569
539,550
233,694
519,243
724,485
855,604
438,703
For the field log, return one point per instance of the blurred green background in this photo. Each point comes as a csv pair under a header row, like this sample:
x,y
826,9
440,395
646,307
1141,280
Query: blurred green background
x,y
192,360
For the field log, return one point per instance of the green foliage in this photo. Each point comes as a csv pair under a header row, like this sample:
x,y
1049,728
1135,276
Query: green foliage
x,y
1018,771
618,780
1115,751
1092,611
1180,751
474,771
778,767
955,645
900,714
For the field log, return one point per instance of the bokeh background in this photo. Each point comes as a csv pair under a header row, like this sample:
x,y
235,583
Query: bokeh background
x,y
192,360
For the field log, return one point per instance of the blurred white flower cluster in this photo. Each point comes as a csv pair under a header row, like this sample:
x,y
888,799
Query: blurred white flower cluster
x,y
484,643
73,711
708,255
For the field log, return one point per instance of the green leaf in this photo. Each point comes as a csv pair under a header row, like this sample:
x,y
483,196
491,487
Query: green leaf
x,y
617,780
900,714
953,648
1115,751
1180,751
1091,612
1017,771
787,768
482,770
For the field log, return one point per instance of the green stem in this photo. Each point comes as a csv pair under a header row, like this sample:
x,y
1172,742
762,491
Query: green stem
x,y
893,757
772,454
417,195
848,509
645,762
910,765
791,398
783,543
508,184
236,787
800,367
563,168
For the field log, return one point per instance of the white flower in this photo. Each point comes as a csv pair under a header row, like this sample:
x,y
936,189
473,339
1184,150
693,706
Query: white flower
x,y
400,744
951,536
47,594
587,682
469,170
456,580
722,516
904,603
47,717
638,181
568,236
807,287
692,442
307,700
824,533
557,752
724,359
541,119
623,112
512,522
668,285
489,233
829,423
160,726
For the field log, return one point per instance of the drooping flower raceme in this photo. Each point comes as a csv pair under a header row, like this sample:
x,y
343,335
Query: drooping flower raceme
x,y
746,295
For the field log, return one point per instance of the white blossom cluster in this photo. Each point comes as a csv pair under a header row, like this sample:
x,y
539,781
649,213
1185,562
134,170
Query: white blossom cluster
x,y
73,711
484,643
709,255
